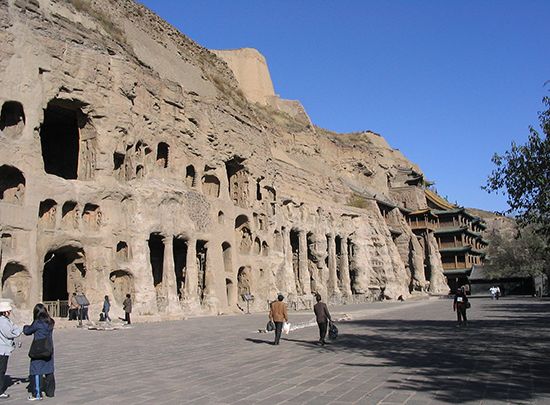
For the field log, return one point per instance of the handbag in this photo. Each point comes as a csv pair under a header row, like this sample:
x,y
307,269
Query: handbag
x,y
286,328
270,326
468,305
332,331
41,349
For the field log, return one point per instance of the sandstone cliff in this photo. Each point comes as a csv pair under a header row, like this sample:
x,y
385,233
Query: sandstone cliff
x,y
135,161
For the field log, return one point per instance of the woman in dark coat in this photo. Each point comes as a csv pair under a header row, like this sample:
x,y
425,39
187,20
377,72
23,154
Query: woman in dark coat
x,y
460,304
41,374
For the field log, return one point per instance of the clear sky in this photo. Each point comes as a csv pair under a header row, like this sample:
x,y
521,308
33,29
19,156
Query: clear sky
x,y
449,83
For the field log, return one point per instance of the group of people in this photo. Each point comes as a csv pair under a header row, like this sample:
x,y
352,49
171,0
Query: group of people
x,y
278,314
78,308
41,370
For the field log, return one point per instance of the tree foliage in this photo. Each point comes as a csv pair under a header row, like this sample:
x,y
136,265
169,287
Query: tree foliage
x,y
523,174
523,254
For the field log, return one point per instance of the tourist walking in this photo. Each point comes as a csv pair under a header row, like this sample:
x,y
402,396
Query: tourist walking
x,y
41,372
323,317
278,314
127,307
83,304
106,309
8,332
460,304
73,307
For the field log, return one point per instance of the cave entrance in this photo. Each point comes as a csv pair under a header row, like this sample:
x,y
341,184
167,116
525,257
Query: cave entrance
x,y
64,272
60,139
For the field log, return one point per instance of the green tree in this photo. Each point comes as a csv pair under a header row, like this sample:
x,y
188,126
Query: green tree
x,y
522,254
523,174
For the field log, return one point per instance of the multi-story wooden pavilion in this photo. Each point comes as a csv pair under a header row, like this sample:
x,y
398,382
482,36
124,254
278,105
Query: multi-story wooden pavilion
x,y
459,239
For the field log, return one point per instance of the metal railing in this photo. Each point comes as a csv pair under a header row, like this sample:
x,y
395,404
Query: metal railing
x,y
57,309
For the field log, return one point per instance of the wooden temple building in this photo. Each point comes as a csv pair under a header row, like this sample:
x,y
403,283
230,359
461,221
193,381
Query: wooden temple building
x,y
458,233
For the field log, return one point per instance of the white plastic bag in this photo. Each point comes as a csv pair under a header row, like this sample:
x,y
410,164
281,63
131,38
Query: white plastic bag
x,y
286,328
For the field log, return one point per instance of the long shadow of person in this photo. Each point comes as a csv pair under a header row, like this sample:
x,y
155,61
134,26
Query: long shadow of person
x,y
9,380
269,342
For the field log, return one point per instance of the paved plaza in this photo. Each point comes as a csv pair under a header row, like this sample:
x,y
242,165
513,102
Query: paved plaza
x,y
388,353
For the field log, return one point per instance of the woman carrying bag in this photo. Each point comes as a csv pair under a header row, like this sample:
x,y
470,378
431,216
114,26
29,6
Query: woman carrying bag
x,y
41,374
8,332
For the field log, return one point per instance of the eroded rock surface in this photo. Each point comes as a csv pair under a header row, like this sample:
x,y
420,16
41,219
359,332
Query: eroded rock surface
x,y
132,161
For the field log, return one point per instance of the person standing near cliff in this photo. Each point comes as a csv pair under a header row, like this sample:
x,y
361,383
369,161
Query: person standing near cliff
x,y
323,317
127,307
278,314
8,332
106,309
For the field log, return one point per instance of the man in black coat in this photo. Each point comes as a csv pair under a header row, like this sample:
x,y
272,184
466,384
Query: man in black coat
x,y
323,317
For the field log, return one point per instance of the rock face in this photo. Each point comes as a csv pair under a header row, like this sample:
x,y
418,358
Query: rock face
x,y
132,161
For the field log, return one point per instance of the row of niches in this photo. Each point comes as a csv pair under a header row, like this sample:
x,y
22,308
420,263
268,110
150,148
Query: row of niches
x,y
69,147
138,161
91,218
249,243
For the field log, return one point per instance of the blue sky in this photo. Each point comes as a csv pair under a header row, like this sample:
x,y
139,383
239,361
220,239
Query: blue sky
x,y
449,83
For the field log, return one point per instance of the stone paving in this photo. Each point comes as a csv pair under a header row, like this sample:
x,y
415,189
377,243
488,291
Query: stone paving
x,y
389,353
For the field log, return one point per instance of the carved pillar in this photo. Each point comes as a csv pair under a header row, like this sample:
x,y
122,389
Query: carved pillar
x,y
209,276
191,272
303,272
169,275
344,268
332,286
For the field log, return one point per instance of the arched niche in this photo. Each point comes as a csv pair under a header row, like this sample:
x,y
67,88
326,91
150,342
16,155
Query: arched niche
x,y
243,234
91,217
16,285
237,177
162,154
12,119
190,176
227,259
221,218
122,283
122,251
47,213
211,186
257,248
70,215
12,185
244,281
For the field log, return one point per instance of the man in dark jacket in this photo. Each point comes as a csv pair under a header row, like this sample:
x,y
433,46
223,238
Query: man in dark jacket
x,y
323,317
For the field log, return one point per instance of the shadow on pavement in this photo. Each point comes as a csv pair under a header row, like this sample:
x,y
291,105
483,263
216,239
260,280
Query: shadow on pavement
x,y
269,342
491,359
